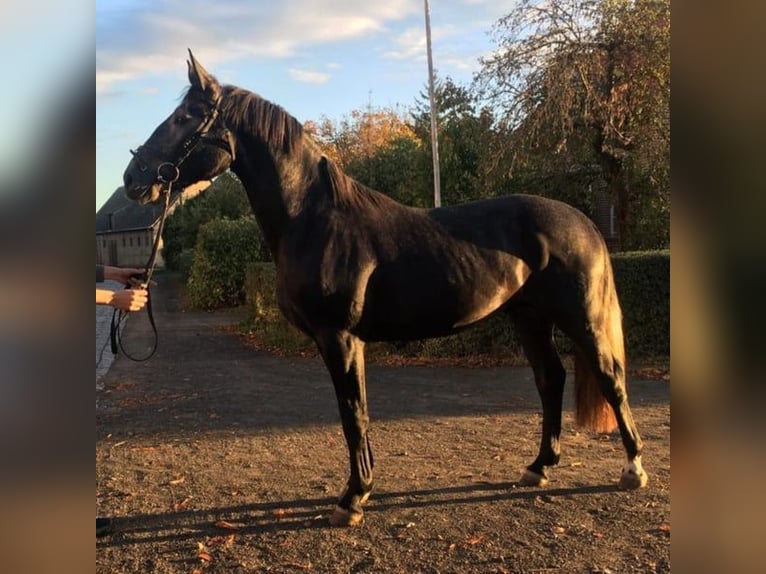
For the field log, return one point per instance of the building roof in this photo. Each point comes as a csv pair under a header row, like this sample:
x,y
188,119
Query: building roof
x,y
120,213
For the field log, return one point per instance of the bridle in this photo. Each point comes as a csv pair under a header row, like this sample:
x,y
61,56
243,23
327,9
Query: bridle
x,y
168,174
189,144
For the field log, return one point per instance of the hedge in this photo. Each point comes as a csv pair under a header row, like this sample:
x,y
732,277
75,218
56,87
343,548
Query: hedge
x,y
224,250
643,285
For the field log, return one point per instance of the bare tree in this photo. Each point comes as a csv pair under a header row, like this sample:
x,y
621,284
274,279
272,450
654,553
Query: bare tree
x,y
589,80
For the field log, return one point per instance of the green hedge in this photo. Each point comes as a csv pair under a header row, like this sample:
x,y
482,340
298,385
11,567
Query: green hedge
x,y
643,286
264,317
224,250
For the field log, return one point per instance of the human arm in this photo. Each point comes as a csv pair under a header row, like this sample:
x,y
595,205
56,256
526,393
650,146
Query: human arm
x,y
124,299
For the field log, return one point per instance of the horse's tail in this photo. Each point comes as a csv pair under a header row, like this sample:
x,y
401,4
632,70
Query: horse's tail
x,y
592,411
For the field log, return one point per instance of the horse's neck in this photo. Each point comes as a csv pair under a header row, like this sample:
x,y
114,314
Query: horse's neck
x,y
276,184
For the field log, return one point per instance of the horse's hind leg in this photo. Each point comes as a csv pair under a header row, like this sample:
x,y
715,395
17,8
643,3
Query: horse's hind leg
x,y
596,362
344,356
537,340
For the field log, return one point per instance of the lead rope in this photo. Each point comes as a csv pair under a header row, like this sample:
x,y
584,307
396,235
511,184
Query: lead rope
x,y
119,316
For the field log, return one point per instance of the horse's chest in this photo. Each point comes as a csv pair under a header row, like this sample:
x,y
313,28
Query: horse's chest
x,y
319,297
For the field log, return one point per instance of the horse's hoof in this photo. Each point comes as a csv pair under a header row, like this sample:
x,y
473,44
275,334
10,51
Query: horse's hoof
x,y
633,476
343,517
531,478
631,480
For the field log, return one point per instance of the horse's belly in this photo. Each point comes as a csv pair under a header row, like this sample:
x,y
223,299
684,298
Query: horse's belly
x,y
404,317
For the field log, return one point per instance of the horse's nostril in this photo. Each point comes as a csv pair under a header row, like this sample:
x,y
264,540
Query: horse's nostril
x,y
127,179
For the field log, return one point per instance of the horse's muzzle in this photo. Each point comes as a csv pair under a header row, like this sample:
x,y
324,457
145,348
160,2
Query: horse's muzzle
x,y
143,194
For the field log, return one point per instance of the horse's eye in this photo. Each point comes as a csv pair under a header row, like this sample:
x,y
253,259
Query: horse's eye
x,y
183,118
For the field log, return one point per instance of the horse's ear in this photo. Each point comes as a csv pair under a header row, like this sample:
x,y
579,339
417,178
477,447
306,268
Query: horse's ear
x,y
198,76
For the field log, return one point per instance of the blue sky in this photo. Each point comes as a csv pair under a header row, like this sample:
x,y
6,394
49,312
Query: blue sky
x,y
314,58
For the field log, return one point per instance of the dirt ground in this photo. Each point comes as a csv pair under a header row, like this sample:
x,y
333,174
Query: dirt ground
x,y
214,457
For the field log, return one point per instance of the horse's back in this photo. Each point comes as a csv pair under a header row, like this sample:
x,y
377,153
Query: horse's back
x,y
536,229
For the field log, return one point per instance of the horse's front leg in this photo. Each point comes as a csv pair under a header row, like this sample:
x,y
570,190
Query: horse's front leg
x,y
343,354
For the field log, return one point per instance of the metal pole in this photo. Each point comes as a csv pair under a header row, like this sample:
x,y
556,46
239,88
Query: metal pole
x,y
434,131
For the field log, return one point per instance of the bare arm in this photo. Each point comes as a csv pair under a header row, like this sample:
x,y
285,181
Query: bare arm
x,y
125,299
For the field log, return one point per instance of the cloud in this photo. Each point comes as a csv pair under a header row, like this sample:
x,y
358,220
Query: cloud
x,y
142,38
411,44
308,77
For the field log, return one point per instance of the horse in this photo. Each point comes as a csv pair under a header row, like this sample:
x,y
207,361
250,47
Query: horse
x,y
354,266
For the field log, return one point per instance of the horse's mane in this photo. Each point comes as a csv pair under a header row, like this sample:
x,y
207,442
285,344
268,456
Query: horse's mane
x,y
349,192
244,108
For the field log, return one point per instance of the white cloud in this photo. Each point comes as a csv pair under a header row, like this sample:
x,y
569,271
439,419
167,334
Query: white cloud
x,y
308,77
409,44
143,38
412,42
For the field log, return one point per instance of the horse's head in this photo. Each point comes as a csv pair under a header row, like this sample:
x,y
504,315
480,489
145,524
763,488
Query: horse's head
x,y
191,145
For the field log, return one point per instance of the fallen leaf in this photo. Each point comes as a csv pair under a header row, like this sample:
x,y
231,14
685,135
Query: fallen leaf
x,y
180,505
473,541
205,556
559,530
177,481
281,511
226,525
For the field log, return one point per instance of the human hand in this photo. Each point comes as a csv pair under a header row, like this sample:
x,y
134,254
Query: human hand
x,y
129,299
130,276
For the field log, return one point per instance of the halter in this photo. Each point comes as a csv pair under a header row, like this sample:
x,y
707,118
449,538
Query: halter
x,y
190,143
167,174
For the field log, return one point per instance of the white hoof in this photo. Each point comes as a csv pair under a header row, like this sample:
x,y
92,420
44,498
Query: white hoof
x,y
633,475
530,478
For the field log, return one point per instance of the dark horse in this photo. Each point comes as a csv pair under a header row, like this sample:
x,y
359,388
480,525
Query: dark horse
x,y
355,266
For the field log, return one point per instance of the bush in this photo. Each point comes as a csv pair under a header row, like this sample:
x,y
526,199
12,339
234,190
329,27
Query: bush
x,y
224,199
264,315
643,286
183,263
223,251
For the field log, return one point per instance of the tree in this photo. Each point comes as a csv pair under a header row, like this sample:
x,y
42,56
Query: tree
x,y
359,134
377,147
585,84
468,143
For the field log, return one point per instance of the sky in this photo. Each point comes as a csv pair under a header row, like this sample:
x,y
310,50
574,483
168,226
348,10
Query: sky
x,y
314,58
